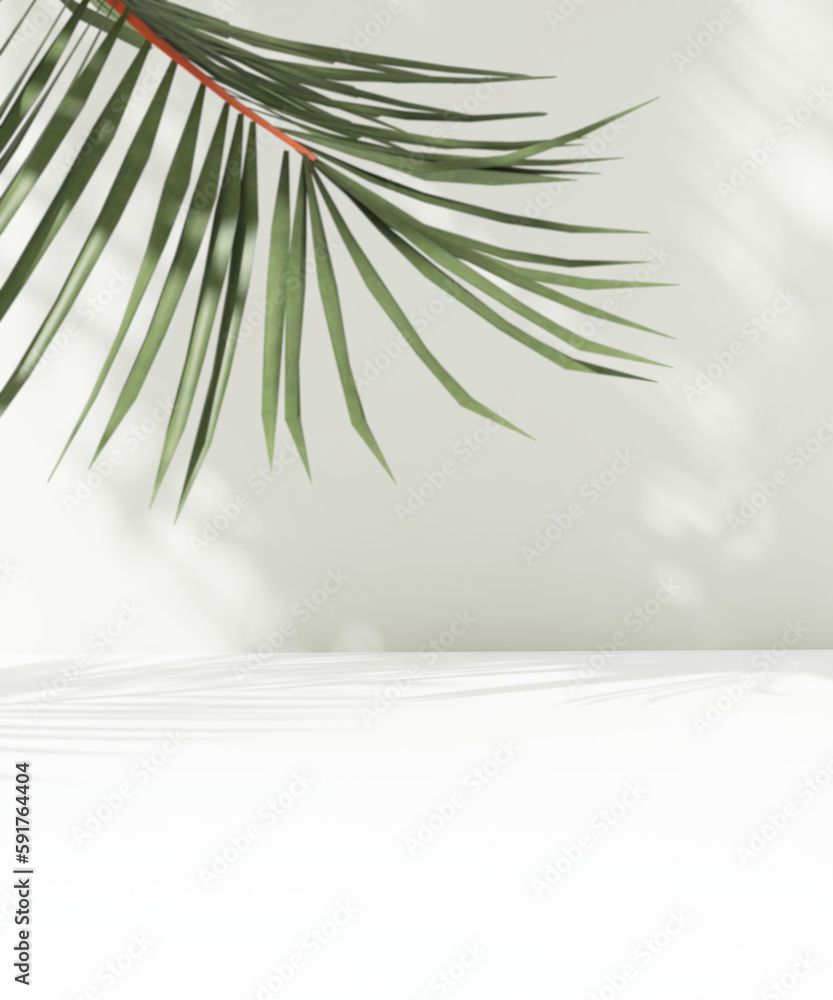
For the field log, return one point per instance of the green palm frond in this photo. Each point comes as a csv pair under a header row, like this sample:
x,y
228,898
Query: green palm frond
x,y
354,150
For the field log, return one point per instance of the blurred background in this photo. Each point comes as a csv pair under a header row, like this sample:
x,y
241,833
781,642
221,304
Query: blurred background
x,y
689,513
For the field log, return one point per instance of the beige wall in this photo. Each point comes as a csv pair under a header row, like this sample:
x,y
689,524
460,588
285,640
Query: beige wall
x,y
653,562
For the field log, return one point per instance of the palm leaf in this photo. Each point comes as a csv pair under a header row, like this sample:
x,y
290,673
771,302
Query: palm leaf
x,y
296,282
273,323
387,301
193,232
131,170
240,273
335,322
173,192
219,257
356,141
